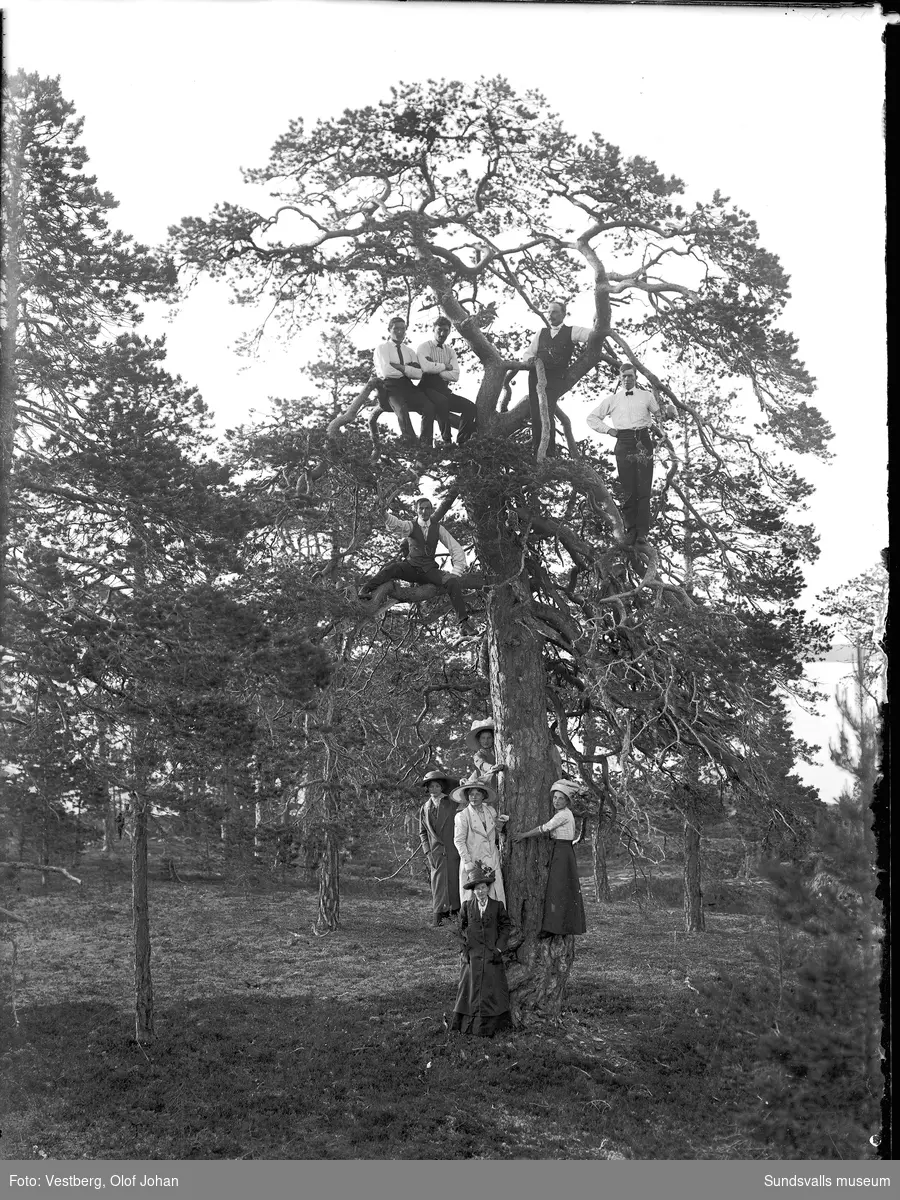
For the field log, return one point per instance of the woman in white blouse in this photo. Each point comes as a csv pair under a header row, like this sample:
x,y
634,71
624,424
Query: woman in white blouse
x,y
563,905
476,833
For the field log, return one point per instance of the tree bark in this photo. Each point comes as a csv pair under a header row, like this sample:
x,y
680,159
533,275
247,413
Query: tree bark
x,y
329,915
694,920
519,702
602,890
143,984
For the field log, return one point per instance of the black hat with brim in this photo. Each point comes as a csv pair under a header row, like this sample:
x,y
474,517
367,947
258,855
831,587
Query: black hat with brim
x,y
439,776
479,877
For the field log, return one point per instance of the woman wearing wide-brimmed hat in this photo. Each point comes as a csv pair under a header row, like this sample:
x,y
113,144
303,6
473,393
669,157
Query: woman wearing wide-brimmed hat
x,y
476,832
563,905
480,739
482,1002
436,833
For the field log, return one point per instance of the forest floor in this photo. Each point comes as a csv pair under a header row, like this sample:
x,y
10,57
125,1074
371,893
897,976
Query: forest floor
x,y
275,1043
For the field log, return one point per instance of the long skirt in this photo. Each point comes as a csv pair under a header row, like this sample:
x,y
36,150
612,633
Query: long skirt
x,y
480,1026
563,906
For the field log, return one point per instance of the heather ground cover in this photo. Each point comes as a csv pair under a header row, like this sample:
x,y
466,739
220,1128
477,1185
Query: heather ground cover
x,y
275,1043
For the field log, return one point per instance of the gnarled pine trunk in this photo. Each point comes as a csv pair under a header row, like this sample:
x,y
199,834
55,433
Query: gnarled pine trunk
x,y
518,697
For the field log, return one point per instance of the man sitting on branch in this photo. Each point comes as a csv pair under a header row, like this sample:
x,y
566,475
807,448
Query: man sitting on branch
x,y
632,408
440,368
421,566
397,365
555,347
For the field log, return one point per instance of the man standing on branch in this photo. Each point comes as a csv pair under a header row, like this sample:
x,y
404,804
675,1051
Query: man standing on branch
x,y
397,365
422,537
440,368
555,347
632,409
436,818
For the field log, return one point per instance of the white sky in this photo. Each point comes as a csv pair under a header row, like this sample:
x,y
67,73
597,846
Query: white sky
x,y
780,109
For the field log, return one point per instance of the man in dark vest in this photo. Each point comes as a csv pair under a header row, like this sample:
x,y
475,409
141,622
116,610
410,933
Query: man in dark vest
x,y
421,537
555,347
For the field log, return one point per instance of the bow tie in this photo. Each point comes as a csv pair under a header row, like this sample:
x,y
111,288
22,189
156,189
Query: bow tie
x,y
631,393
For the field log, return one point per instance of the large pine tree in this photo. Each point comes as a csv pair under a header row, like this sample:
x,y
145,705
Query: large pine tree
x,y
474,201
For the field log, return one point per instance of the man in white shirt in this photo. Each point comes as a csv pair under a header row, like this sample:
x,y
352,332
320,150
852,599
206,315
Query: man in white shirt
x,y
440,368
420,566
632,408
397,365
555,347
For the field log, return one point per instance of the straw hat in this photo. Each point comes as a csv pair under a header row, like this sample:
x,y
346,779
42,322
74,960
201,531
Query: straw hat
x,y
479,725
460,795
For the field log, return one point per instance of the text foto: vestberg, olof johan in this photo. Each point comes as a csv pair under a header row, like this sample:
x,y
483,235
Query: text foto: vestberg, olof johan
x,y
94,1181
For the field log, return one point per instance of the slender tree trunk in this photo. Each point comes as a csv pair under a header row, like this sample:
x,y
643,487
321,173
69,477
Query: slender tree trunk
x,y
140,908
694,920
143,984
329,916
45,836
76,855
111,835
602,890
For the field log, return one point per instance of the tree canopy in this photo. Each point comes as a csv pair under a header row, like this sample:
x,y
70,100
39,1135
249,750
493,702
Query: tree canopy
x,y
475,202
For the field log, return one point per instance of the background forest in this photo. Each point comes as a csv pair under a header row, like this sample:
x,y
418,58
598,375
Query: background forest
x,y
213,749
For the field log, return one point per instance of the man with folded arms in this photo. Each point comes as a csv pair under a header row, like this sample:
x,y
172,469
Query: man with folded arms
x,y
440,368
397,365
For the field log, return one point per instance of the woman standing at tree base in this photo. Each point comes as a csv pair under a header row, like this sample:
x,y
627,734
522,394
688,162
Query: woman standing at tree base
x,y
482,1002
563,905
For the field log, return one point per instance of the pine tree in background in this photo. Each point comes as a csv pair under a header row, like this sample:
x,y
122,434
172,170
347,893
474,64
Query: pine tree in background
x,y
815,1014
69,280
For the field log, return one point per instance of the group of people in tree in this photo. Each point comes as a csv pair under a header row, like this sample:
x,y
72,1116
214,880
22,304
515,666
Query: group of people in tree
x,y
419,381
462,832
462,836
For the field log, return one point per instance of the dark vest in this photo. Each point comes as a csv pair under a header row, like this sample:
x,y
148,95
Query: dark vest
x,y
420,549
556,352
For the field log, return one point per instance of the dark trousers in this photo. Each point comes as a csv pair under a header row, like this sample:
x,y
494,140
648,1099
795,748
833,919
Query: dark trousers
x,y
634,460
404,397
447,404
423,574
554,391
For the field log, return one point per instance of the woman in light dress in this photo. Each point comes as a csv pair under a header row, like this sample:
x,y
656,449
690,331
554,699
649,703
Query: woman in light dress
x,y
476,833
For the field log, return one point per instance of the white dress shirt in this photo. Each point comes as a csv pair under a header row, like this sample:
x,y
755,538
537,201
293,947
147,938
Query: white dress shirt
x,y
561,826
387,357
580,333
457,554
629,410
438,360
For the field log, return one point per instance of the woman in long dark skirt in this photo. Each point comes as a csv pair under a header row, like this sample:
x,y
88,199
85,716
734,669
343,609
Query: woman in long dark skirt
x,y
563,905
482,1002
